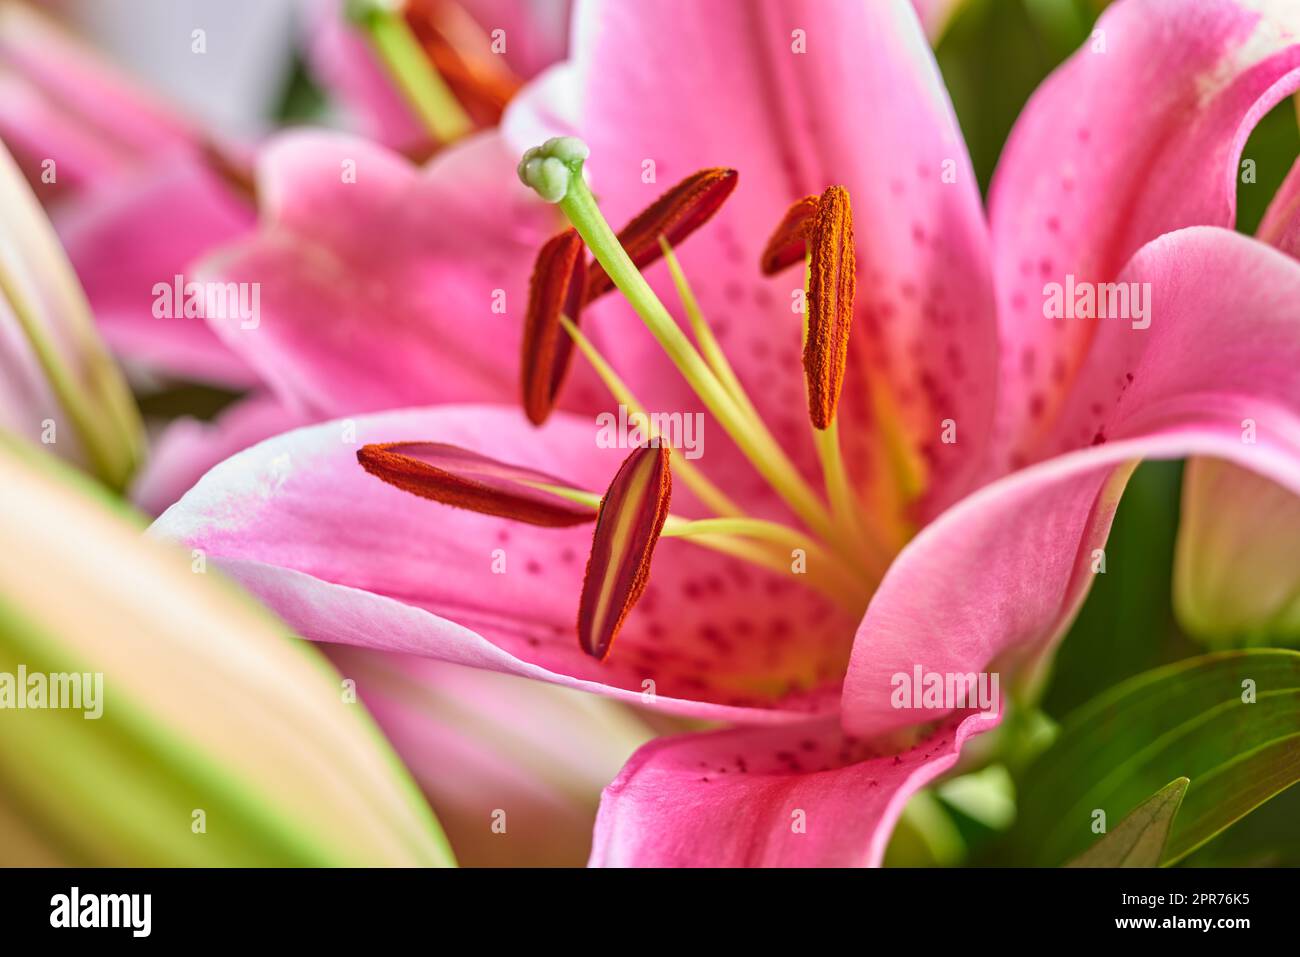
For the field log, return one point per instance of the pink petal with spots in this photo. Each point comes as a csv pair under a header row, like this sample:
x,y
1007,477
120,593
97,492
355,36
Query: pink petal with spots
x,y
346,558
795,796
864,106
384,285
993,581
148,229
530,758
187,448
1120,145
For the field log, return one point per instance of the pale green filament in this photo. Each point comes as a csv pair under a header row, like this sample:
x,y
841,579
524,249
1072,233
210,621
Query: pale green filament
x,y
708,493
709,347
822,563
415,75
749,539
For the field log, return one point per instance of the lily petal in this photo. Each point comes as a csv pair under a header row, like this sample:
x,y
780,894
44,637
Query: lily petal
x,y
382,285
1280,226
58,376
348,559
1161,86
996,579
798,796
188,447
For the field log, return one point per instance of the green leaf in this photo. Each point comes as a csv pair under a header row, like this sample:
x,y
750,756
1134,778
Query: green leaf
x,y
1228,721
1139,840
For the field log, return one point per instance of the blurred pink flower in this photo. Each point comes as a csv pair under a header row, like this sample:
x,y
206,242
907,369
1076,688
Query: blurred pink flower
x,y
136,190
1121,169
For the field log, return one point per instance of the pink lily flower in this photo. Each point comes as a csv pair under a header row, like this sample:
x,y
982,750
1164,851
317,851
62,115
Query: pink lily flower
x,y
982,548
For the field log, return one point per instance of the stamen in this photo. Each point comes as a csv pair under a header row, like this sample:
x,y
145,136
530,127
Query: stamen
x,y
555,291
832,281
463,479
797,237
789,244
673,216
632,515
462,53
560,180
468,480
414,73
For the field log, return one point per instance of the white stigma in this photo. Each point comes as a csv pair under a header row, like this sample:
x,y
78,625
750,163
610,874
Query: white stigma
x,y
547,168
